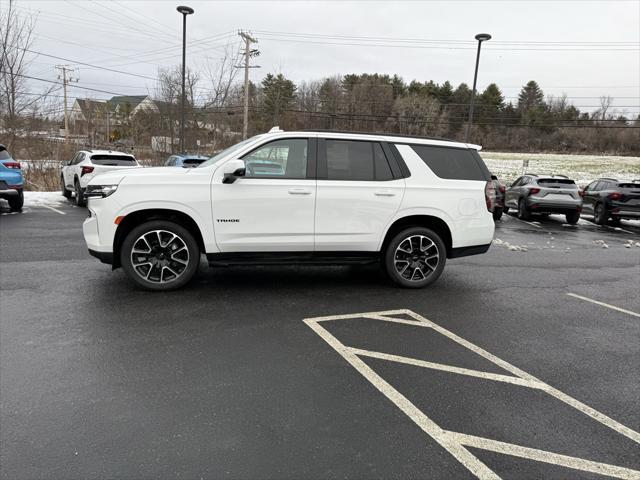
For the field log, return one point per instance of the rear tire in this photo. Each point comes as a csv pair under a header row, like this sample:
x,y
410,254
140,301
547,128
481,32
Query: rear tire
x,y
599,215
80,201
66,193
572,217
505,210
166,255
497,213
523,211
415,257
16,202
616,221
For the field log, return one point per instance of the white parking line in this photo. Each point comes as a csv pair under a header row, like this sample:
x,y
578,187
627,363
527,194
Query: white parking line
x,y
530,223
51,208
602,304
455,442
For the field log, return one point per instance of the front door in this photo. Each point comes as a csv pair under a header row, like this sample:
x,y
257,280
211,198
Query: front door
x,y
271,208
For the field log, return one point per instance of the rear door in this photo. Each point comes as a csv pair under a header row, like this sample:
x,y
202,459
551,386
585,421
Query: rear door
x,y
358,195
512,195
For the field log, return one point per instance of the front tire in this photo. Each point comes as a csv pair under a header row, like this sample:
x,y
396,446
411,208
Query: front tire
x,y
66,193
80,200
572,217
523,211
160,255
415,257
599,215
16,202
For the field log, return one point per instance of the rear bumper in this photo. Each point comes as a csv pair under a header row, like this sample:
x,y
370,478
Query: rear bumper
x,y
622,213
10,192
539,206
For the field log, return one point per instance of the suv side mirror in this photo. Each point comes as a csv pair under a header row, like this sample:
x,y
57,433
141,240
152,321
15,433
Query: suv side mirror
x,y
233,170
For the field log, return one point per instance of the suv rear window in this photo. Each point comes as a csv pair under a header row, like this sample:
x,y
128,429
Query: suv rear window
x,y
452,163
557,182
114,160
629,185
193,161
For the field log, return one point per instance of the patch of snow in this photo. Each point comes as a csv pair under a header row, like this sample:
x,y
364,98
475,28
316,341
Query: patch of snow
x,y
38,199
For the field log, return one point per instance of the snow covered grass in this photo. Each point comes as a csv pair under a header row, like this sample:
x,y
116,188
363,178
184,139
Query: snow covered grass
x,y
581,168
39,199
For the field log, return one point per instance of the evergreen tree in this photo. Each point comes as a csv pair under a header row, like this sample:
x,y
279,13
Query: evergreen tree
x,y
531,96
278,95
445,93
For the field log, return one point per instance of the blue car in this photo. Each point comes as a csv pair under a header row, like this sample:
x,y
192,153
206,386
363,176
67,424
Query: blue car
x,y
185,160
11,182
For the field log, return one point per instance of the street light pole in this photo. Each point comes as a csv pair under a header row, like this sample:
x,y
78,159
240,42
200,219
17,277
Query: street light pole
x,y
184,11
481,37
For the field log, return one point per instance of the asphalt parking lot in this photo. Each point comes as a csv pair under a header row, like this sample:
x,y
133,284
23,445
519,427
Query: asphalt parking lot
x,y
521,363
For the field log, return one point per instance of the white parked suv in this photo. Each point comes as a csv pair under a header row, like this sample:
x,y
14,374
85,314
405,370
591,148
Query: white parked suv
x,y
86,164
335,198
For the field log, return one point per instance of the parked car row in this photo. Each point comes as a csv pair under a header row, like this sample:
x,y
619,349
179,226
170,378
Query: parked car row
x,y
607,199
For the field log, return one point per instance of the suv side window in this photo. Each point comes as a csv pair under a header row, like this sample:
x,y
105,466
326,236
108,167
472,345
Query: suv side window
x,y
79,158
517,183
286,159
356,160
450,163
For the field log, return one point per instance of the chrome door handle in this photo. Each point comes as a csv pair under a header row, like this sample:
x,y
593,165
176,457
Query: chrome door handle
x,y
384,193
299,191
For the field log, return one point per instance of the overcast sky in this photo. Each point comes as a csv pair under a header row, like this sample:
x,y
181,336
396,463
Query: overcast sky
x,y
580,47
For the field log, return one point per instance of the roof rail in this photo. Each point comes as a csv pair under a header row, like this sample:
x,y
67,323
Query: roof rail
x,y
532,174
385,134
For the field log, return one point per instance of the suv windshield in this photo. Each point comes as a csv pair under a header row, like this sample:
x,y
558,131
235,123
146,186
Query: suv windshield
x,y
115,160
227,151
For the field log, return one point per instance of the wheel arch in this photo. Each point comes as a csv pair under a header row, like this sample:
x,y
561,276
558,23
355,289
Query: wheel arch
x,y
432,222
133,219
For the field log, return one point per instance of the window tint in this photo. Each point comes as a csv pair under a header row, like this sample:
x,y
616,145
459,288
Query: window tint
x,y
192,162
358,161
114,160
517,183
79,158
382,171
278,159
451,163
557,182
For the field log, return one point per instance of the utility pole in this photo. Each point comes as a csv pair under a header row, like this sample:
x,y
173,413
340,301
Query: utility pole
x,y
65,81
248,53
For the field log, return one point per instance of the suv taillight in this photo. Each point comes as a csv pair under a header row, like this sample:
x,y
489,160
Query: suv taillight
x,y
490,195
86,170
533,191
615,196
14,165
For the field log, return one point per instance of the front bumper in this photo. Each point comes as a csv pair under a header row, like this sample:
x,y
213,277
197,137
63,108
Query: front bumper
x,y
104,257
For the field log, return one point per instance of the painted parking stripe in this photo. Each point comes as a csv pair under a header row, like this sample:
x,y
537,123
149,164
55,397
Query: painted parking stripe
x,y
51,208
602,304
544,456
455,442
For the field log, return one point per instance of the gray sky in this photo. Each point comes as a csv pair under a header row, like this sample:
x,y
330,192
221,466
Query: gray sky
x,y
580,47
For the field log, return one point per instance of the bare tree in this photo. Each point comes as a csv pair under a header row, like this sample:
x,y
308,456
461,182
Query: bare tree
x,y
605,104
16,32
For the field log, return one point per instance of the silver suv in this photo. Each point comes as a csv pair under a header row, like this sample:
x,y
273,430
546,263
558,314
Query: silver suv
x,y
544,195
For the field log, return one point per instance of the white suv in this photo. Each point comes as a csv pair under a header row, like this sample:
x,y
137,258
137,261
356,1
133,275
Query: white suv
x,y
86,164
297,197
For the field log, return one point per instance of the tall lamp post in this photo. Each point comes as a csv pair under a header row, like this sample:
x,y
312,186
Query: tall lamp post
x,y
481,37
184,11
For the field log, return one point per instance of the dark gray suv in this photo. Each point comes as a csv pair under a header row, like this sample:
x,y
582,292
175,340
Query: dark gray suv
x,y
544,194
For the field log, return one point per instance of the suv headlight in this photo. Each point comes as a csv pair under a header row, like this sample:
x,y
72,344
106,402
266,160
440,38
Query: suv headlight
x,y
99,191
